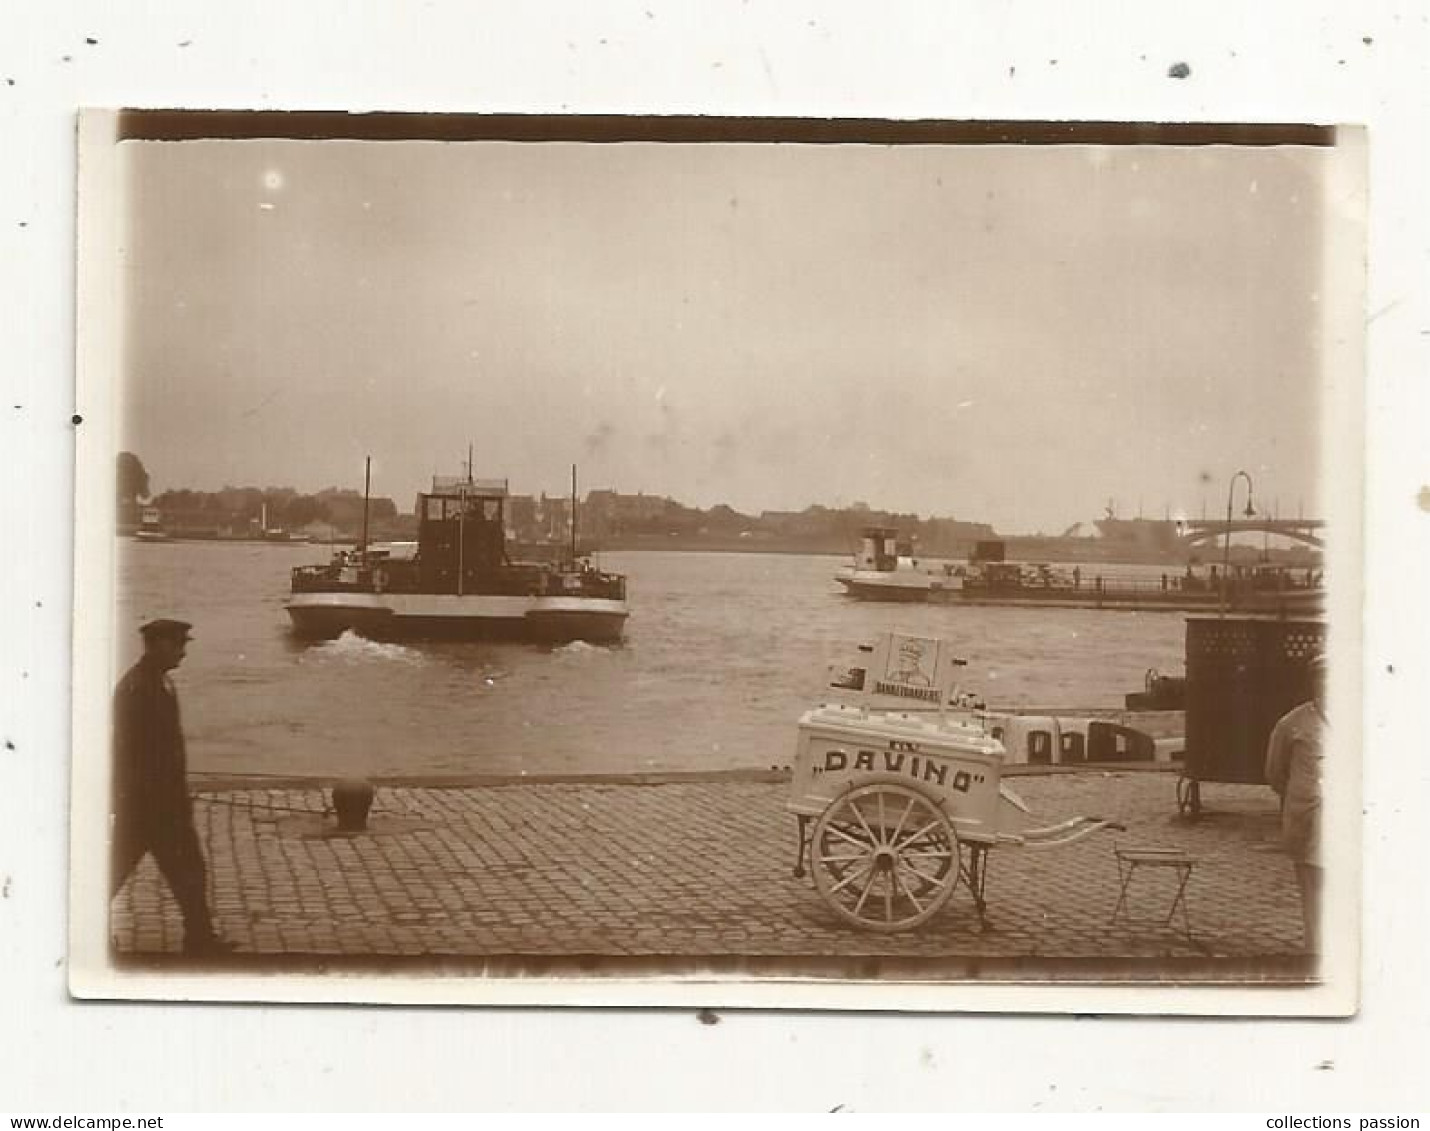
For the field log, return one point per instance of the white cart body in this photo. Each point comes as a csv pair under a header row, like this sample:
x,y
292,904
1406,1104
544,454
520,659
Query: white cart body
x,y
951,759
897,773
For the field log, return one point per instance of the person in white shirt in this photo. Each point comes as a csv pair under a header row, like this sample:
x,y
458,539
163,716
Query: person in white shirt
x,y
1295,755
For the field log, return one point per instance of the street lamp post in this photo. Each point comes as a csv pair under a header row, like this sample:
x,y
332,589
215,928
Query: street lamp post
x,y
1250,512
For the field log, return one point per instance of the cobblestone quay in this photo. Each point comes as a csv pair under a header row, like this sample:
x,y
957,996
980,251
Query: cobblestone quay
x,y
701,869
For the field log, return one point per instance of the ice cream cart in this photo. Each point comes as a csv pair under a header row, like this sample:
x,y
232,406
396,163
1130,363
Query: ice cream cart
x,y
896,788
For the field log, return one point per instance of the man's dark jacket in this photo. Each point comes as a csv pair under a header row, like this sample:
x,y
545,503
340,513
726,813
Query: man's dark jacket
x,y
150,765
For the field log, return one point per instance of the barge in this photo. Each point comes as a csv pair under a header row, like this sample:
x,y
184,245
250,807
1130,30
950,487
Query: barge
x,y
880,573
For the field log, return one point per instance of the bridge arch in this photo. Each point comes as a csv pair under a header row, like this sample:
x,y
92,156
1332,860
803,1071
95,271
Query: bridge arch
x,y
1202,531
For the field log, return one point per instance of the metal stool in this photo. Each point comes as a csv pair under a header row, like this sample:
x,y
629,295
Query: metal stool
x,y
1129,860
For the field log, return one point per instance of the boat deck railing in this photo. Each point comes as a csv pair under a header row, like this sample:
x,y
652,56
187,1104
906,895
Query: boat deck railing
x,y
1173,586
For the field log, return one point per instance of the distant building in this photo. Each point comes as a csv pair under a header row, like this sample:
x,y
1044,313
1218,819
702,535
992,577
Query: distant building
x,y
521,521
553,518
345,509
608,512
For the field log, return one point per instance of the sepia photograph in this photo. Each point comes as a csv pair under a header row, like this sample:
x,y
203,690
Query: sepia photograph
x,y
824,563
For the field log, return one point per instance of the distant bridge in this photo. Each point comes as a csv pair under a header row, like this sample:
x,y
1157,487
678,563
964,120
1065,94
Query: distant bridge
x,y
1195,531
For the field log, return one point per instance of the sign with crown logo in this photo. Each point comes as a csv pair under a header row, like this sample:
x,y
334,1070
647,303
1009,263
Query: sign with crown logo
x,y
900,671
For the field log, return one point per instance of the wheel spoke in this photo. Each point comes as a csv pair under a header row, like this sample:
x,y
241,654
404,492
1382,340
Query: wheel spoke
x,y
864,844
909,808
858,907
908,892
936,881
865,825
920,832
854,874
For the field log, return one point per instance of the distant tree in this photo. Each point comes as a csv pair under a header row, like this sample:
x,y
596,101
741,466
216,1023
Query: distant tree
x,y
133,480
726,518
247,501
303,509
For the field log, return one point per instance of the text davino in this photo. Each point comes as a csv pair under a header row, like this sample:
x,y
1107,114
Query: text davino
x,y
898,762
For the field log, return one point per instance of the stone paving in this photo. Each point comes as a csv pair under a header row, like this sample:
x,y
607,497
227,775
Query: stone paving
x,y
695,869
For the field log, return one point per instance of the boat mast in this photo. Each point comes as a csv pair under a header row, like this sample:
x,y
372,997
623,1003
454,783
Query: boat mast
x,y
573,514
366,495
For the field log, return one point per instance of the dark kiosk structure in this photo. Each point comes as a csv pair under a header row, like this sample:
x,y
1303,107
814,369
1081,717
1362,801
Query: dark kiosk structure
x,y
1243,674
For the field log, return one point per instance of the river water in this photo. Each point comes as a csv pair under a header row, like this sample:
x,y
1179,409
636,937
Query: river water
x,y
722,654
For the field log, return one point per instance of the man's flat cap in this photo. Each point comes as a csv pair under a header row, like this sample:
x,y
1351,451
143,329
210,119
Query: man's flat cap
x,y
166,629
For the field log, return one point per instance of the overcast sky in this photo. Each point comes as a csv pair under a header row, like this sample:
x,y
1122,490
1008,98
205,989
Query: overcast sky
x,y
1006,334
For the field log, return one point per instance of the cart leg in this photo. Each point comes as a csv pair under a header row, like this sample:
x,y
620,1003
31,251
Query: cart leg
x,y
1189,797
976,877
803,846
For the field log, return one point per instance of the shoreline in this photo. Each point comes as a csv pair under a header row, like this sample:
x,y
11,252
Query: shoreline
x,y
1077,555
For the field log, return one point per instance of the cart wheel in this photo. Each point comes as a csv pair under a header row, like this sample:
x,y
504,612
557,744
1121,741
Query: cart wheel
x,y
884,857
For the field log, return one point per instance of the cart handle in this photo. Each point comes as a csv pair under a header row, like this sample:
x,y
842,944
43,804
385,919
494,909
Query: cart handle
x,y
1059,836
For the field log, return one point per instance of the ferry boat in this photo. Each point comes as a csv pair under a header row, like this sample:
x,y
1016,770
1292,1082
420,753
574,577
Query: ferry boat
x,y
459,582
881,573
151,528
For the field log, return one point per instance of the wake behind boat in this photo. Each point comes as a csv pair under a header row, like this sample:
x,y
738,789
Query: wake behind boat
x,y
459,583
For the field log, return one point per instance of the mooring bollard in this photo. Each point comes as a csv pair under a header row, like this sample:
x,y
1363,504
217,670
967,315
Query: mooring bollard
x,y
351,802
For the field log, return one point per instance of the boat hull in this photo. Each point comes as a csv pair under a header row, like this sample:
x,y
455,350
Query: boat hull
x,y
1271,604
909,586
875,591
901,585
324,616
1288,603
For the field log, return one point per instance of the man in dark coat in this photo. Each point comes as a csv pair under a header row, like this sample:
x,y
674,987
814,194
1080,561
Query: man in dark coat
x,y
152,811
